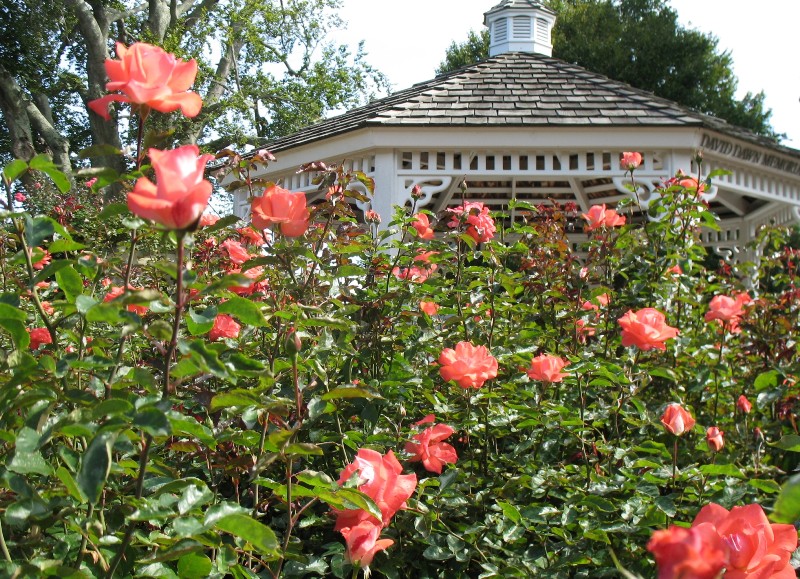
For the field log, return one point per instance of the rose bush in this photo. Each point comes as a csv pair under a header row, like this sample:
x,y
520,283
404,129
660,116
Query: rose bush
x,y
194,426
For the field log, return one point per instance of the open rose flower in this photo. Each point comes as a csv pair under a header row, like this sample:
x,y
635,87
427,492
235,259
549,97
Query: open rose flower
x,y
727,309
468,365
479,224
281,207
379,478
43,260
714,438
757,549
423,226
677,420
430,450
428,307
547,368
151,77
690,183
39,336
236,251
207,219
224,327
695,553
116,291
630,161
180,194
363,543
646,329
598,216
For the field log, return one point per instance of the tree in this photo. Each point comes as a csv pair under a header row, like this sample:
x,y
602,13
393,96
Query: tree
x,y
642,43
266,69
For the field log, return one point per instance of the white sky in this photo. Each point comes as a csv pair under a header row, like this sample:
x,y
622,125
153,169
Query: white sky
x,y
407,40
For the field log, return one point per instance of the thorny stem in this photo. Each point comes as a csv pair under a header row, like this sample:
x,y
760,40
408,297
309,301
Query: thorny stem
x,y
3,545
179,304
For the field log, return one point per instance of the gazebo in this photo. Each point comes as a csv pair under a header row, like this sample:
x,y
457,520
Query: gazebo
x,y
523,125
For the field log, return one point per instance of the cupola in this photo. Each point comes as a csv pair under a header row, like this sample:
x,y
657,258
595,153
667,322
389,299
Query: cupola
x,y
520,26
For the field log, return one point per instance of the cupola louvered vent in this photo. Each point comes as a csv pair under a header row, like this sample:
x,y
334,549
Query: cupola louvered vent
x,y
520,26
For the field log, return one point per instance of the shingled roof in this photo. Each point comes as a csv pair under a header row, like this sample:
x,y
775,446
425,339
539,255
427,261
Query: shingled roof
x,y
519,89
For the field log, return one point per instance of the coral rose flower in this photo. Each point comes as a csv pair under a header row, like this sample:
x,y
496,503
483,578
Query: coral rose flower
x,y
677,420
430,449
744,404
630,161
236,251
690,183
468,365
414,274
714,438
181,194
547,368
429,308
363,543
283,207
39,336
695,553
598,216
224,327
727,309
423,226
207,219
44,261
152,77
646,329
379,478
116,291
757,548
480,225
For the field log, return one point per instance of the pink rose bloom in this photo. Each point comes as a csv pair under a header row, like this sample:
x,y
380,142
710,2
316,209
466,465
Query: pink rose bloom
x,y
429,308
468,365
236,251
379,478
690,183
727,309
677,420
207,219
251,236
149,76
224,327
430,450
630,161
117,291
423,226
39,336
646,329
90,183
757,549
547,368
600,217
480,225
44,261
695,553
414,274
181,194
744,404
282,207
714,438
363,543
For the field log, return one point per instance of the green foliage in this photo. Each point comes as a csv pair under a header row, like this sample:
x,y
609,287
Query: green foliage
x,y
138,444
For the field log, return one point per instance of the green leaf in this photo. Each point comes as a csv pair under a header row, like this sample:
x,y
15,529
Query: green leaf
x,y
37,230
790,442
236,398
200,322
14,169
69,483
19,333
153,421
95,465
722,470
510,512
349,392
27,458
787,507
248,529
44,164
194,565
71,282
62,245
112,210
245,310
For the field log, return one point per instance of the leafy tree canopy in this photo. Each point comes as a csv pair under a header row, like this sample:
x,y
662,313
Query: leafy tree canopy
x,y
265,69
641,43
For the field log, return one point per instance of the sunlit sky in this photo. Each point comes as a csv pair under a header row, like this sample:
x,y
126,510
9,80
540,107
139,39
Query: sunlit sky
x,y
407,40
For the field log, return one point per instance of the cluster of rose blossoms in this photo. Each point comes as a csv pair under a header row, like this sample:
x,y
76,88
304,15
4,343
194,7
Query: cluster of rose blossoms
x,y
741,541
